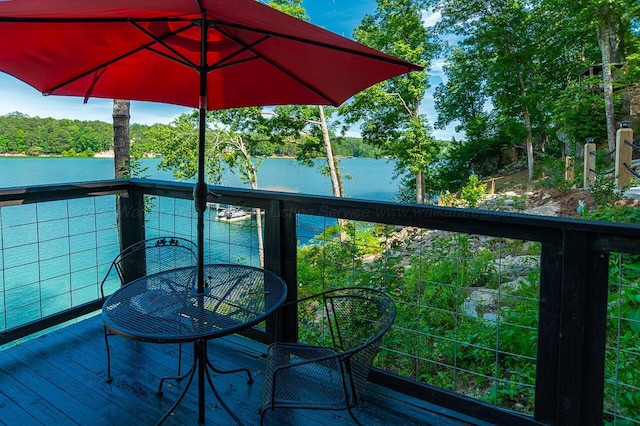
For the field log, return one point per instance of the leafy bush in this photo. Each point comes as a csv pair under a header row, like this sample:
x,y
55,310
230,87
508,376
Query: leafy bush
x,y
604,192
550,170
613,213
473,192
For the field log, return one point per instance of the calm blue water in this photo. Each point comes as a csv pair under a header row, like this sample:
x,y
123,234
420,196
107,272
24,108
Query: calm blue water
x,y
364,178
370,178
49,262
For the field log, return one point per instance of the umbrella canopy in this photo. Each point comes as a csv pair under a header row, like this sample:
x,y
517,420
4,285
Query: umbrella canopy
x,y
208,54
152,51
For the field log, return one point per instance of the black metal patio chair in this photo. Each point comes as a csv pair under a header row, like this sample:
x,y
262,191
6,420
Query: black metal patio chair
x,y
340,335
145,258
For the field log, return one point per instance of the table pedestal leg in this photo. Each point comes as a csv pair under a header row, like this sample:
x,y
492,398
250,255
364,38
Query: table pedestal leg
x,y
237,370
200,363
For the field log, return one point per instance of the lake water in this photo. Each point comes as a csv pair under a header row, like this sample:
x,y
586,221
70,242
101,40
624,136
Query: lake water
x,y
46,263
370,178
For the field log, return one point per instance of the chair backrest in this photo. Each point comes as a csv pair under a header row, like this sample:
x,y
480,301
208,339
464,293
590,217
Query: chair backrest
x,y
353,321
154,255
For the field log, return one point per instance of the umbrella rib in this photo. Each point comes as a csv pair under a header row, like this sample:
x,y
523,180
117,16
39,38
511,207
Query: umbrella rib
x,y
160,40
218,65
118,58
387,58
92,70
222,63
181,61
283,70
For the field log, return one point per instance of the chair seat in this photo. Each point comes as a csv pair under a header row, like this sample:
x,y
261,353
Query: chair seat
x,y
344,329
307,375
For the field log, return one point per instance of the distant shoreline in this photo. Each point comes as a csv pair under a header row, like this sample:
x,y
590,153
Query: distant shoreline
x,y
110,154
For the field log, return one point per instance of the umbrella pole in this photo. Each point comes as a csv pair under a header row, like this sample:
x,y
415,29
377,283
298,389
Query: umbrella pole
x,y
200,193
200,190
200,198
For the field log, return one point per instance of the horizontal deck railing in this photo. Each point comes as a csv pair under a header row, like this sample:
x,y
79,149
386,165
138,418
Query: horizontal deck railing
x,y
510,318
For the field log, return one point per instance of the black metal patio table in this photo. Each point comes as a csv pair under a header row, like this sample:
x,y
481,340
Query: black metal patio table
x,y
166,308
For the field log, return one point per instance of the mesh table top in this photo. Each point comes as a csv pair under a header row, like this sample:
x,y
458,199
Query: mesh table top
x,y
165,307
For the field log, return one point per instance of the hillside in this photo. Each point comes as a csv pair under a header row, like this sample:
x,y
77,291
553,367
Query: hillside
x,y
548,201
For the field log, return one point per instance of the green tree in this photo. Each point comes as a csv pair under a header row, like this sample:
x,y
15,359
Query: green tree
x,y
231,148
230,136
612,20
177,143
389,112
314,117
20,141
499,35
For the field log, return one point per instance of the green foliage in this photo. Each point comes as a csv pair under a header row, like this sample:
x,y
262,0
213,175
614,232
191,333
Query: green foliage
x,y
389,111
20,133
290,7
605,192
513,202
178,145
431,340
473,192
623,334
550,172
614,213
579,113
481,155
355,147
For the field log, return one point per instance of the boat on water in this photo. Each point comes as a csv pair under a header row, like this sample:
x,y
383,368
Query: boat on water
x,y
232,213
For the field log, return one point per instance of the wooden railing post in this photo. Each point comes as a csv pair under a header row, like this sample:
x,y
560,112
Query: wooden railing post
x,y
571,333
569,169
595,336
548,334
589,164
280,247
623,155
130,211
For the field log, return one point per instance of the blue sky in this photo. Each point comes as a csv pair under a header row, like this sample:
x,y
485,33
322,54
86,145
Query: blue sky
x,y
339,16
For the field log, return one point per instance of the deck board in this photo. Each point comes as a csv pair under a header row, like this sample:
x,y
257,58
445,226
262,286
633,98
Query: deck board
x,y
59,378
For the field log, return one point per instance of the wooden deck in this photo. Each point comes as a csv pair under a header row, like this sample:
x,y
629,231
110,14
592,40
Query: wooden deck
x,y
58,379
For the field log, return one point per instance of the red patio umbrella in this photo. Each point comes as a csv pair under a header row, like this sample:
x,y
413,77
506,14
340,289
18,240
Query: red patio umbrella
x,y
206,54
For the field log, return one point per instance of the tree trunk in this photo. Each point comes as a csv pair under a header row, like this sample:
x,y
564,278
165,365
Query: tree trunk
x,y
340,182
336,181
331,163
254,185
121,148
421,190
529,142
527,125
252,177
607,41
121,142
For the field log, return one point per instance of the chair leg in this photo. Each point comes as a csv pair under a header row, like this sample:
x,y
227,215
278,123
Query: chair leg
x,y
179,357
109,378
262,413
353,416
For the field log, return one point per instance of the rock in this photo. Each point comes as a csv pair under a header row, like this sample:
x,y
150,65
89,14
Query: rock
x,y
478,301
516,266
515,285
546,210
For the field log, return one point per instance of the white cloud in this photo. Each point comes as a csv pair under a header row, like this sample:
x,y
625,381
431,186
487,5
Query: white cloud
x,y
437,69
430,18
